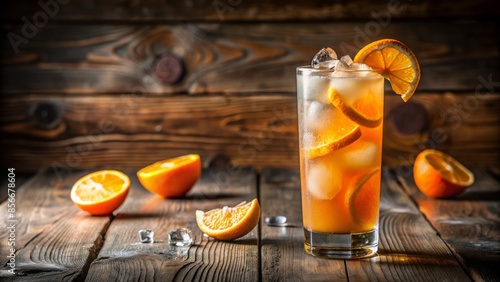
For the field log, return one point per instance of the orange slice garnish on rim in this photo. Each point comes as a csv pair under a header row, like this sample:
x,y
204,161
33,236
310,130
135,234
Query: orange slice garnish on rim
x,y
364,111
395,61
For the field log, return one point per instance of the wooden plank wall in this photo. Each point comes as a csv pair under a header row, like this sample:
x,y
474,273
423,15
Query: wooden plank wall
x,y
94,83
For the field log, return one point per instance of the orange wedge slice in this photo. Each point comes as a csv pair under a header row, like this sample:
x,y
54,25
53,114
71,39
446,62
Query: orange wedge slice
x,y
173,177
339,142
364,111
438,175
395,61
100,192
229,223
363,199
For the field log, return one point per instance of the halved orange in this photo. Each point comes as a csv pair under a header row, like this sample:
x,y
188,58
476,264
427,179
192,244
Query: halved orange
x,y
395,61
100,192
172,177
229,223
438,175
363,199
365,111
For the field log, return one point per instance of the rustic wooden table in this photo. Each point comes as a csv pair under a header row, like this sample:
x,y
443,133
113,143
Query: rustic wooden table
x,y
421,239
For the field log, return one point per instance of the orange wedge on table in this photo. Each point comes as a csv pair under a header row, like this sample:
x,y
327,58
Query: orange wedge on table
x,y
172,177
395,61
100,192
229,223
438,175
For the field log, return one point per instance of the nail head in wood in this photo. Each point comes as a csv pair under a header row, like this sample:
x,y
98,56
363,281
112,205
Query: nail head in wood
x,y
169,69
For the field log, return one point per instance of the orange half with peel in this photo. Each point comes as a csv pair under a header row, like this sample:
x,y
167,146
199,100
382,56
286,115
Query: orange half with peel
x,y
229,223
100,192
438,175
172,177
395,61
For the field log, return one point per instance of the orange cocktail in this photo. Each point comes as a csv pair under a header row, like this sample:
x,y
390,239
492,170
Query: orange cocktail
x,y
340,113
340,134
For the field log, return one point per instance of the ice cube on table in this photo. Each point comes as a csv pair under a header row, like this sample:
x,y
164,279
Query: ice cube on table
x,y
146,236
324,180
180,237
325,58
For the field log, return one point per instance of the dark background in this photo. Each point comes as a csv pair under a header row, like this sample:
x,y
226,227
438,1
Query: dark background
x,y
87,83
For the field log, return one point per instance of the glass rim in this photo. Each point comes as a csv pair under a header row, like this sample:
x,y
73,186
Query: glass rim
x,y
310,69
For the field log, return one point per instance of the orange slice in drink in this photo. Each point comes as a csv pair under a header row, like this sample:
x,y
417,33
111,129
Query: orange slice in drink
x,y
173,177
363,199
338,142
229,223
438,175
100,192
395,61
364,111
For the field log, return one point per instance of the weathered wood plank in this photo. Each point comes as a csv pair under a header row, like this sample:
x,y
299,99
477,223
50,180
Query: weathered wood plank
x,y
409,249
468,223
283,256
122,258
254,130
237,58
54,240
239,10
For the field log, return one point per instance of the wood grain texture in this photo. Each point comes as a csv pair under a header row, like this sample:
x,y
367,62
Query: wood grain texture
x,y
246,10
55,241
408,248
469,223
255,130
122,258
236,58
282,248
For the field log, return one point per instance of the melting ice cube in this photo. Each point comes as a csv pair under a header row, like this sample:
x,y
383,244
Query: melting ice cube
x,y
325,58
345,63
364,155
180,237
146,236
319,118
324,180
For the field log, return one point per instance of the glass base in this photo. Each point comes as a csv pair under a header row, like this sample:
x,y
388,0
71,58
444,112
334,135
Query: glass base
x,y
341,246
